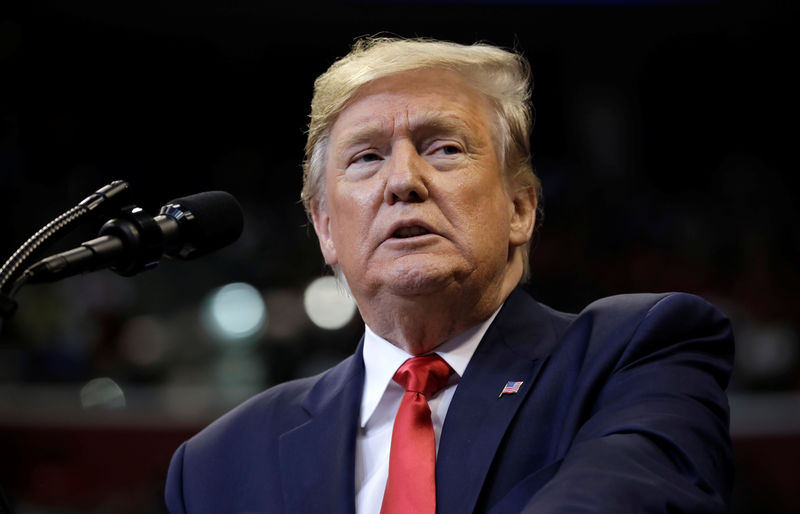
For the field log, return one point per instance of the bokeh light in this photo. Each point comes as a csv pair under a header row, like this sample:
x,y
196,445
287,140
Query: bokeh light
x,y
327,305
102,393
235,312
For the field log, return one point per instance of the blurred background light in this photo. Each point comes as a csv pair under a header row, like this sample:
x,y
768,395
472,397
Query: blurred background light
x,y
235,312
327,305
102,393
766,352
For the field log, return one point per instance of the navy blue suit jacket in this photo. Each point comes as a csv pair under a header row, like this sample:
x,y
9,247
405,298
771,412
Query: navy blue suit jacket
x,y
622,409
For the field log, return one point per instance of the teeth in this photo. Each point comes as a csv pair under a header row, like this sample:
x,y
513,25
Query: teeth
x,y
410,232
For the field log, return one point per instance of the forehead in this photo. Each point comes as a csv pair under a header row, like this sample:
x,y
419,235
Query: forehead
x,y
428,99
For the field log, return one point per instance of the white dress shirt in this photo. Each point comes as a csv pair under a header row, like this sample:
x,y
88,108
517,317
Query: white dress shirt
x,y
381,399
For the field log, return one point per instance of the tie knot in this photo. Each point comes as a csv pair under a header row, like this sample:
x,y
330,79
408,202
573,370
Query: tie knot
x,y
427,374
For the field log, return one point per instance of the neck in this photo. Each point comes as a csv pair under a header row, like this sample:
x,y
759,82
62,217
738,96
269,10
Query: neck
x,y
418,324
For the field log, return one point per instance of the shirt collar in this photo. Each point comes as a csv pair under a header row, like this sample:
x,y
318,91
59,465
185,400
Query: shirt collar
x,y
382,358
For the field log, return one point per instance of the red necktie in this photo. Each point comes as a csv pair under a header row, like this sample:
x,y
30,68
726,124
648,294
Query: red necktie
x,y
411,486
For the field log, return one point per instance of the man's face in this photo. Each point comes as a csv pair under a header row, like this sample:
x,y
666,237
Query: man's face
x,y
416,199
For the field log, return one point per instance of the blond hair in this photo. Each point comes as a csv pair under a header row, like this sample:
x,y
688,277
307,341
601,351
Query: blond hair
x,y
502,76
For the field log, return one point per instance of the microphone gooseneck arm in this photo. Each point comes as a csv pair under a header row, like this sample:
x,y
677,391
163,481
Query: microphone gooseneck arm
x,y
96,203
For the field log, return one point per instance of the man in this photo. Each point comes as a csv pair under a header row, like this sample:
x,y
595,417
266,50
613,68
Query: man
x,y
419,185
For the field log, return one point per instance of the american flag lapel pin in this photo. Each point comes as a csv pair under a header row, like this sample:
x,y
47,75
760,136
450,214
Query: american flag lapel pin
x,y
511,387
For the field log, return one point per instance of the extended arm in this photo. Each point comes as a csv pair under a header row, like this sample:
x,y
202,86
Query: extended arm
x,y
651,431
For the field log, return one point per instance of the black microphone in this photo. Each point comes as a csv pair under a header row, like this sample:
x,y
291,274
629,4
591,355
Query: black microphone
x,y
185,228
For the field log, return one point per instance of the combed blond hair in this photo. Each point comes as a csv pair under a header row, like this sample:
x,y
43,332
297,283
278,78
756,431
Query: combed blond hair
x,y
502,76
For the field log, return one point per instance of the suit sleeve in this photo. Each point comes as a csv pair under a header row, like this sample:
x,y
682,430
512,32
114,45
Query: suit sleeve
x,y
174,488
655,438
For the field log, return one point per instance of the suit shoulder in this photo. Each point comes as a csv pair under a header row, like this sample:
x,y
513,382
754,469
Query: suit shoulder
x,y
614,308
640,306
643,304
641,324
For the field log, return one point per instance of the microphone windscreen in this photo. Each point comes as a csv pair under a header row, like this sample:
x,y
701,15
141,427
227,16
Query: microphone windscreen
x,y
216,221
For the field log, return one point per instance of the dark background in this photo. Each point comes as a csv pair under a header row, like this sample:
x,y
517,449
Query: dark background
x,y
665,139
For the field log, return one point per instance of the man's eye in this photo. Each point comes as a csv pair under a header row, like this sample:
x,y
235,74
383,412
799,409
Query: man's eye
x,y
367,157
446,149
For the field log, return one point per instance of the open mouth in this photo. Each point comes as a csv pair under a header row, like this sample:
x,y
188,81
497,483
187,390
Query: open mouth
x,y
406,232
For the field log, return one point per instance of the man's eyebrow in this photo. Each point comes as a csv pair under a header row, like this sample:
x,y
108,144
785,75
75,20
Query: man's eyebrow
x,y
365,132
435,122
425,123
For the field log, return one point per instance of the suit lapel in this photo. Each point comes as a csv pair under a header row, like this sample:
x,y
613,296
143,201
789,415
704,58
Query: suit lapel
x,y
318,457
513,349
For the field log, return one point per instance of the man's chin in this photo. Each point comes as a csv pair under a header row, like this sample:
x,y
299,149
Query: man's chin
x,y
423,278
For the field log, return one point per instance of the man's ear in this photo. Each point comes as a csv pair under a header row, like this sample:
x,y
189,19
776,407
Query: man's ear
x,y
322,226
523,218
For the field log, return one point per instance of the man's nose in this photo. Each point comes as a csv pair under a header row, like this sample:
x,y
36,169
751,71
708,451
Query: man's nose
x,y
406,181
